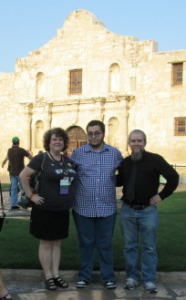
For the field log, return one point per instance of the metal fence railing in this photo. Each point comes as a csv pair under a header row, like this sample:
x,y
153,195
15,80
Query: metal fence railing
x,y
177,166
181,171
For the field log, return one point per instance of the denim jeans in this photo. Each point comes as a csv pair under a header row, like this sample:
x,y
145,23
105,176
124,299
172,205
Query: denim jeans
x,y
14,189
141,224
95,233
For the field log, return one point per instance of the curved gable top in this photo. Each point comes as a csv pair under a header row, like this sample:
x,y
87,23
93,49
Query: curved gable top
x,y
80,17
84,37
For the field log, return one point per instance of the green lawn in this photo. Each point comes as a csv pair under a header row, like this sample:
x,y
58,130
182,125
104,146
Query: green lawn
x,y
5,185
18,249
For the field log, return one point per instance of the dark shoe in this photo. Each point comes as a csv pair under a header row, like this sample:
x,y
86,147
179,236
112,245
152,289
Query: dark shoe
x,y
20,204
15,207
7,297
82,284
60,282
110,285
50,285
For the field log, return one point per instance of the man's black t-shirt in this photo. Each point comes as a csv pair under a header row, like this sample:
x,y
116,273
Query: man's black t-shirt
x,y
16,159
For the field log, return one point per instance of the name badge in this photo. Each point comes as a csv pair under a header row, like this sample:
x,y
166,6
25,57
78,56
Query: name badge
x,y
64,185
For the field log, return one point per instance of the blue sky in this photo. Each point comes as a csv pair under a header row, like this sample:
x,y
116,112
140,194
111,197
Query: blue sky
x,y
27,25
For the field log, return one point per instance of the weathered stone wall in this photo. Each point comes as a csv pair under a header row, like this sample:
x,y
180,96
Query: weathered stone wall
x,y
138,95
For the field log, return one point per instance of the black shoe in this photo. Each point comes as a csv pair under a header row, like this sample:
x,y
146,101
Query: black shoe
x,y
21,205
15,207
110,285
7,297
82,283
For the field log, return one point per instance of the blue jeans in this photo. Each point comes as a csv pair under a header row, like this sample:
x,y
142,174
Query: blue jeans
x,y
134,224
14,189
95,233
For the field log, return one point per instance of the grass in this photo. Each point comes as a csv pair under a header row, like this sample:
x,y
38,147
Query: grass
x,y
19,250
5,185
171,233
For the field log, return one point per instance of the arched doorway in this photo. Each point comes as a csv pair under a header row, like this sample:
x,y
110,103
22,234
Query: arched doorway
x,y
77,137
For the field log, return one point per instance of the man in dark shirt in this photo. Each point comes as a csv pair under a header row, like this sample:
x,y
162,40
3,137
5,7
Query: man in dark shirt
x,y
139,174
15,155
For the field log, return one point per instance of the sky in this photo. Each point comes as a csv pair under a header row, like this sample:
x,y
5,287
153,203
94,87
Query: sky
x,y
27,25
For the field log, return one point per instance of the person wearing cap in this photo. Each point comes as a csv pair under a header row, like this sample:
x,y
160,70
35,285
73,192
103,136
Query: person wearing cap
x,y
15,155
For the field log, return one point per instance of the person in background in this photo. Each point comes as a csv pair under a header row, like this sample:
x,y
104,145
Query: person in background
x,y
15,156
139,175
4,294
49,221
95,205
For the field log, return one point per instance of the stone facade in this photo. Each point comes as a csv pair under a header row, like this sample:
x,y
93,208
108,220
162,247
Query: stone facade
x,y
125,82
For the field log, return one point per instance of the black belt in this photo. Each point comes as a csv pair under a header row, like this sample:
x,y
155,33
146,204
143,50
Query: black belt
x,y
138,207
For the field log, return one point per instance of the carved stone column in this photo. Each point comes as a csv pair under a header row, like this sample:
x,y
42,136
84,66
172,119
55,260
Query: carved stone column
x,y
48,116
28,112
123,131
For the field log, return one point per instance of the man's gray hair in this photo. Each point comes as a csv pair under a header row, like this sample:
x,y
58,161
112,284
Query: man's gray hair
x,y
138,131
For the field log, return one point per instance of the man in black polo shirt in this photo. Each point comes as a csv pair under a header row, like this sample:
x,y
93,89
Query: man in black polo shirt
x,y
139,174
15,155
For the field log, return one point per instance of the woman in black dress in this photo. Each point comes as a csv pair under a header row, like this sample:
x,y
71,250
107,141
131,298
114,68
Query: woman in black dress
x,y
49,221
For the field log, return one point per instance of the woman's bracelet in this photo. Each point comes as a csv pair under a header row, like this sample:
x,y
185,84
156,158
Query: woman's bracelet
x,y
31,196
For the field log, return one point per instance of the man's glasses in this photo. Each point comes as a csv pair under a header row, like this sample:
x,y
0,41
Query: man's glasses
x,y
96,134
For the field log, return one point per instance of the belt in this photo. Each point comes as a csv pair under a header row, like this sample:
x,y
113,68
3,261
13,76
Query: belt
x,y
138,207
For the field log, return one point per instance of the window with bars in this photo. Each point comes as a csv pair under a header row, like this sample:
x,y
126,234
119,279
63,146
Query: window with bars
x,y
177,73
180,126
75,85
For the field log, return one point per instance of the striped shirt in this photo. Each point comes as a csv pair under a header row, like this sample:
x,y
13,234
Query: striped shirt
x,y
95,192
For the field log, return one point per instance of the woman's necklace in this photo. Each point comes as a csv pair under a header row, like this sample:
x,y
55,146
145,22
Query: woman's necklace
x,y
59,162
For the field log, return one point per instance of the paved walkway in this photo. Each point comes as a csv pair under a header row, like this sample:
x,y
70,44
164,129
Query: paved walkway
x,y
29,285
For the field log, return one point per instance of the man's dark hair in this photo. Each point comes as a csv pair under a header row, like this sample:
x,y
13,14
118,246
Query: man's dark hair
x,y
96,122
59,132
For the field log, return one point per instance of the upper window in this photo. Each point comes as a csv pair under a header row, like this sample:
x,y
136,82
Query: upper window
x,y
40,86
177,73
180,126
75,86
114,78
